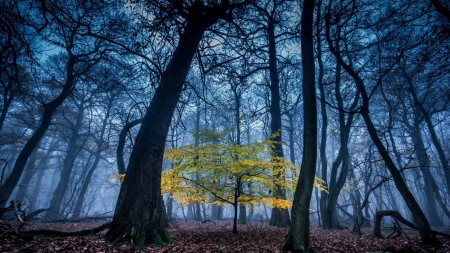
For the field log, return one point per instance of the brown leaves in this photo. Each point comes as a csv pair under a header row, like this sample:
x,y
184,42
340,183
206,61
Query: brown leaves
x,y
216,237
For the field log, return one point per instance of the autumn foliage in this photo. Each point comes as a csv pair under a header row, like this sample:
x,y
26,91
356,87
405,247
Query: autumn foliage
x,y
213,173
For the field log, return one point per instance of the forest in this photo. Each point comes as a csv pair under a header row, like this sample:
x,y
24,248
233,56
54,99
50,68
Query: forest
x,y
224,126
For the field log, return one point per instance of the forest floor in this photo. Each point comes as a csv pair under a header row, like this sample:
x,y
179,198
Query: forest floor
x,y
217,237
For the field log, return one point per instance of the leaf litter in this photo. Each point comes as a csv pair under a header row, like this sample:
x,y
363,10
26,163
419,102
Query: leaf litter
x,y
216,237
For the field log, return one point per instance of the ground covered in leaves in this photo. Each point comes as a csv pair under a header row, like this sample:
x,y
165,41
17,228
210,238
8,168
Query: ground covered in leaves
x,y
216,237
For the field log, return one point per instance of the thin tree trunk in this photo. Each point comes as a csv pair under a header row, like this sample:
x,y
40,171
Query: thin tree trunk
x,y
121,144
326,222
280,217
7,100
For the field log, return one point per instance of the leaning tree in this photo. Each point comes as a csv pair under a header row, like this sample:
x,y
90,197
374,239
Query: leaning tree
x,y
138,215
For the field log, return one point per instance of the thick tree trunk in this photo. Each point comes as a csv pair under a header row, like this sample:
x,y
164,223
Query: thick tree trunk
x,y
297,239
138,216
422,222
280,217
49,108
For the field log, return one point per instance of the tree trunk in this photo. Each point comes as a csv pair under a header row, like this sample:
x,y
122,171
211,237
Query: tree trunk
x,y
121,144
422,222
138,215
297,239
326,222
280,217
7,100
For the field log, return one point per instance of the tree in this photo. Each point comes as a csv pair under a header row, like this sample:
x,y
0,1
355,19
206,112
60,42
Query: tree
x,y
138,216
297,239
229,174
269,28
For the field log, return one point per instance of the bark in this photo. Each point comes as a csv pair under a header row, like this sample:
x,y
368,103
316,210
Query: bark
x,y
138,215
297,239
198,213
121,144
280,217
422,222
72,151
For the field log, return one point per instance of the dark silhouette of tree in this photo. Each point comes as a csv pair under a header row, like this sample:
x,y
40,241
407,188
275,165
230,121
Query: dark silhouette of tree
x,y
297,239
441,8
